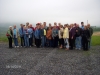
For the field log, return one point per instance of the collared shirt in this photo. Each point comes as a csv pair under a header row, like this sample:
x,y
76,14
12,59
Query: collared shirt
x,y
14,31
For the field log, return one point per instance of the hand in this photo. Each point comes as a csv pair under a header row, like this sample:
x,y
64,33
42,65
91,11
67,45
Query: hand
x,y
72,38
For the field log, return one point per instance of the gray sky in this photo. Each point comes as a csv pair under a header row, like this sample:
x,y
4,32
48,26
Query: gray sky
x,y
50,11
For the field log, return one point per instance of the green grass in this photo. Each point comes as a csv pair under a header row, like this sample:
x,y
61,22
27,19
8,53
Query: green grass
x,y
95,40
3,39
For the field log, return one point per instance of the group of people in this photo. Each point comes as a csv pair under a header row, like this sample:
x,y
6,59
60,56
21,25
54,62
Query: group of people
x,y
65,36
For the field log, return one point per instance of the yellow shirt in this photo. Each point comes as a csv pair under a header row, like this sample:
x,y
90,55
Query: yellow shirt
x,y
44,32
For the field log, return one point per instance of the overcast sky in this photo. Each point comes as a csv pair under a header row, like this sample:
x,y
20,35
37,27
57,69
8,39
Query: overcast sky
x,y
50,11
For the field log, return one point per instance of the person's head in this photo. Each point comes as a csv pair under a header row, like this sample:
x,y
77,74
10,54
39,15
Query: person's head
x,y
77,25
55,23
42,26
49,24
71,25
88,25
82,23
10,27
14,26
59,24
85,27
30,25
21,25
27,23
65,25
44,23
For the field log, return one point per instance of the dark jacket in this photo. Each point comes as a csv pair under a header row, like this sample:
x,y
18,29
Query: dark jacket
x,y
91,31
72,32
78,31
86,34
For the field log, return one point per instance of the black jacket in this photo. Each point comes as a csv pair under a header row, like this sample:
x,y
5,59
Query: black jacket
x,y
78,32
85,34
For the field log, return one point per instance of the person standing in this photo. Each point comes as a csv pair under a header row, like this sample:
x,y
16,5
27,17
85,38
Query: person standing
x,y
86,37
37,36
78,33
71,36
30,35
15,36
91,32
60,34
21,33
45,27
55,36
49,37
10,36
26,36
66,36
43,36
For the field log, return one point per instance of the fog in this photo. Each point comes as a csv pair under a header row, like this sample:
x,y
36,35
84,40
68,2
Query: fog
x,y
50,11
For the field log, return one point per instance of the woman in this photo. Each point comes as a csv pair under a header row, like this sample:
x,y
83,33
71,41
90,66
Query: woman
x,y
55,36
60,34
71,36
49,36
26,37
15,36
86,37
66,36
10,36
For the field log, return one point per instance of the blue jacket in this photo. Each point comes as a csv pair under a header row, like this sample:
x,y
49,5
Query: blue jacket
x,y
37,33
54,32
21,33
26,34
30,31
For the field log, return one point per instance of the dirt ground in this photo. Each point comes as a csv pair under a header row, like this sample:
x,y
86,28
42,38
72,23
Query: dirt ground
x,y
96,33
48,61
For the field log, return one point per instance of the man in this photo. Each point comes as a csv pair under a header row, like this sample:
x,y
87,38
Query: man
x,y
15,36
45,27
32,33
82,27
55,36
78,33
91,32
37,36
21,33
43,36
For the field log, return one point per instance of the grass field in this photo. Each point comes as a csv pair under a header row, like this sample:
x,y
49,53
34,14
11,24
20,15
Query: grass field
x,y
94,41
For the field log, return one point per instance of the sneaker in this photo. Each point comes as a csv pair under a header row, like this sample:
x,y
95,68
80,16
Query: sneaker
x,y
17,46
79,49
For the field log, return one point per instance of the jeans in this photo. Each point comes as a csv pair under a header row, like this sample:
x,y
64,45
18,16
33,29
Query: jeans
x,y
15,40
78,42
43,41
26,41
67,42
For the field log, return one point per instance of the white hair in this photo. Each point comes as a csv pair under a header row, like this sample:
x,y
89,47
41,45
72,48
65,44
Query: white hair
x,y
10,26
